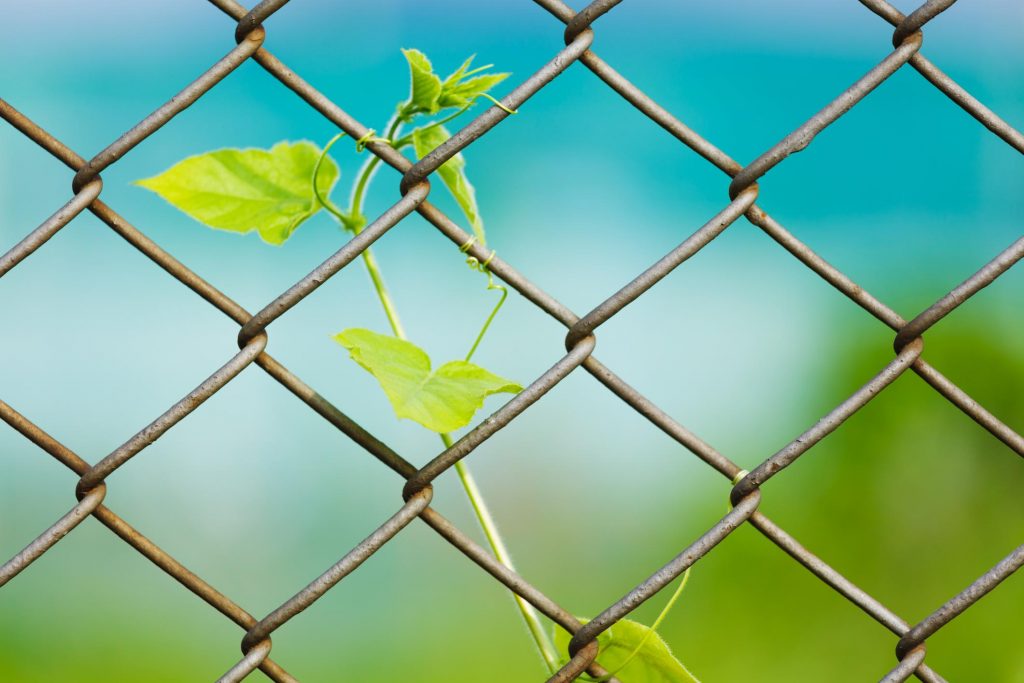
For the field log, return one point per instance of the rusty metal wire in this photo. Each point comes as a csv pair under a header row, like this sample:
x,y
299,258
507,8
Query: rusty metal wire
x,y
743,192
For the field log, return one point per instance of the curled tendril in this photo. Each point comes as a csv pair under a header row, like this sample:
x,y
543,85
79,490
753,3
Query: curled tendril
x,y
324,201
473,262
371,136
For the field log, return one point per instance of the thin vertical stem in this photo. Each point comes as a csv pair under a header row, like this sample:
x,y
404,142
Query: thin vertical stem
x,y
354,221
382,293
483,514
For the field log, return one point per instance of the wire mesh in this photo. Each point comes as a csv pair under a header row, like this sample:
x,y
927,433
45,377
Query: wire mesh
x,y
743,192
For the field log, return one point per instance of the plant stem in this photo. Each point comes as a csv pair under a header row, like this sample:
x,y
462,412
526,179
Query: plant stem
x,y
546,646
359,221
530,615
407,140
369,168
365,174
354,220
382,293
403,141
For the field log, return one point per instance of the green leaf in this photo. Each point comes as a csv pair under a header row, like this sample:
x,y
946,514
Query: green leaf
x,y
248,189
461,72
462,93
425,85
443,400
453,174
653,663
462,86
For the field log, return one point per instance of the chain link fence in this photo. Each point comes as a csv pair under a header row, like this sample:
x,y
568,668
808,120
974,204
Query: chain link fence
x,y
580,341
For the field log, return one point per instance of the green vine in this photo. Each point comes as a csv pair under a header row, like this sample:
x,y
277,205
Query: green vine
x,y
274,191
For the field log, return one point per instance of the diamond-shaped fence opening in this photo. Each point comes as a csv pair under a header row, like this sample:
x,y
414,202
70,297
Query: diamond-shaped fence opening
x,y
740,204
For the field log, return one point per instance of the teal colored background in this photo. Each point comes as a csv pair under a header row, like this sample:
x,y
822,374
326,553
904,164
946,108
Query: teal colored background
x,y
746,347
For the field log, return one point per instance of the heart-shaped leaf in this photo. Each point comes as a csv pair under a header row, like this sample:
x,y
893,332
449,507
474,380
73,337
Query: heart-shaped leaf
x,y
442,400
453,173
241,190
653,662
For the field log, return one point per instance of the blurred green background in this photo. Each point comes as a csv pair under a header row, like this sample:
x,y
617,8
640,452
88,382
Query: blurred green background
x,y
257,494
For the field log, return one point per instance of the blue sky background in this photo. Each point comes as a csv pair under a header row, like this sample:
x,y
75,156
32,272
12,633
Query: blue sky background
x,y
907,194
